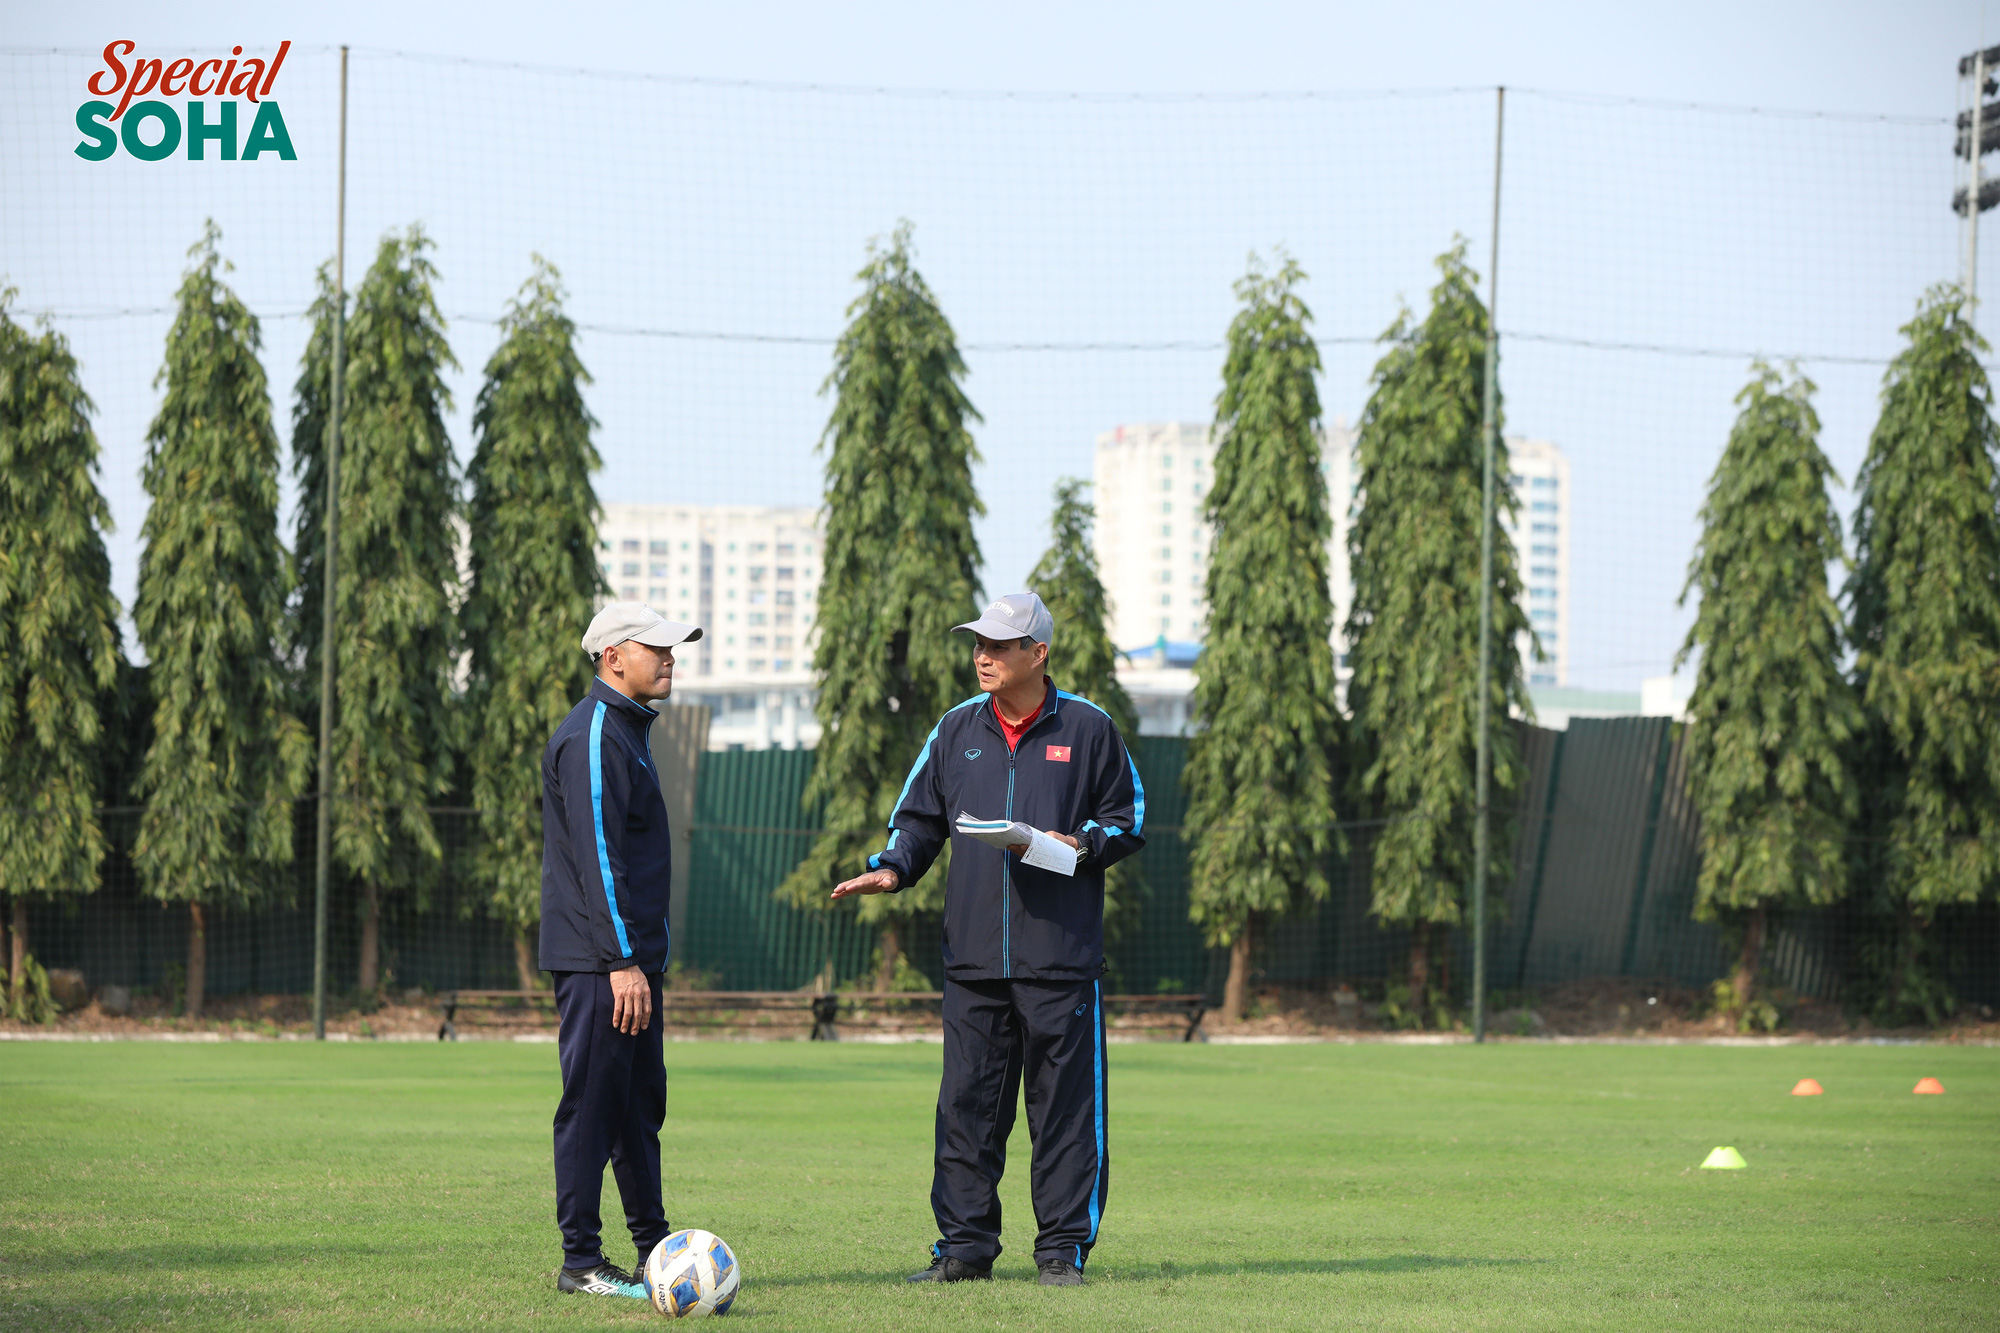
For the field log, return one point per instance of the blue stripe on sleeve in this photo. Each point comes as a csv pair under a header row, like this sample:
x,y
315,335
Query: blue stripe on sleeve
x,y
1139,793
597,822
1138,787
923,757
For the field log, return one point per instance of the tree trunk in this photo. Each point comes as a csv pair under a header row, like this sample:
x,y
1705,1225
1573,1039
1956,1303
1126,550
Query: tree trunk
x,y
197,975
1444,963
369,974
524,962
1234,990
1746,962
892,949
17,960
1420,965
1910,926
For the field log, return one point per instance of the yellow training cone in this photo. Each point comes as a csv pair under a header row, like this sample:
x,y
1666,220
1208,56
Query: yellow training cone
x,y
1724,1159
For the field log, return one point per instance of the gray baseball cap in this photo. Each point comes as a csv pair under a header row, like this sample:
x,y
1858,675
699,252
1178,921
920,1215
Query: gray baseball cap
x,y
1018,615
621,622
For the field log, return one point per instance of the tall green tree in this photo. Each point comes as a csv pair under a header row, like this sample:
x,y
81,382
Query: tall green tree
x,y
532,515
59,643
1083,660
227,758
1413,627
1260,768
899,571
1924,608
1773,717
397,572
1066,578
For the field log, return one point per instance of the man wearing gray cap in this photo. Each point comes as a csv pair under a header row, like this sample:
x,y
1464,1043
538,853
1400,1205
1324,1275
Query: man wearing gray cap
x,y
606,871
1023,939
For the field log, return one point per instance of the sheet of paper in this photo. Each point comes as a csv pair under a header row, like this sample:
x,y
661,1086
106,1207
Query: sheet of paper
x,y
1043,852
1048,854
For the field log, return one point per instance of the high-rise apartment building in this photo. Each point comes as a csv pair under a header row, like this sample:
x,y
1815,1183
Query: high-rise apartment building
x,y
747,574
1152,544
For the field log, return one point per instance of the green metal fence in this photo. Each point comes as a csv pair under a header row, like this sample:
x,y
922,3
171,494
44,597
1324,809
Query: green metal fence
x,y
1605,859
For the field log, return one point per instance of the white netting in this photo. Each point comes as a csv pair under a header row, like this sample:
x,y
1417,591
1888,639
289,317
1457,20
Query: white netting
x,y
1083,246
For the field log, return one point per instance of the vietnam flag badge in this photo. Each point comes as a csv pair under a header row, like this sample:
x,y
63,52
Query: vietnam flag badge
x,y
1058,754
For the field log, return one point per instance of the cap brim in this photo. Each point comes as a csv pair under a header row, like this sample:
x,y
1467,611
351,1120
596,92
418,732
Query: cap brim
x,y
992,629
667,634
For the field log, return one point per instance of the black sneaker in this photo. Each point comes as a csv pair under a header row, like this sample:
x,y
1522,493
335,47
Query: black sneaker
x,y
1059,1273
946,1269
603,1280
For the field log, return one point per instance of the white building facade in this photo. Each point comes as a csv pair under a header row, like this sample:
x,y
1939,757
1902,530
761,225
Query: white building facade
x,y
749,576
1151,482
1541,534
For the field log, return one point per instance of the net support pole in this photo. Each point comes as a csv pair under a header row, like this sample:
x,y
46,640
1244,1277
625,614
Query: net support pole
x,y
323,845
1489,433
1973,183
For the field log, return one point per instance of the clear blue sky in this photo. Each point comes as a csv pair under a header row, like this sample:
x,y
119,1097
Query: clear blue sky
x,y
676,208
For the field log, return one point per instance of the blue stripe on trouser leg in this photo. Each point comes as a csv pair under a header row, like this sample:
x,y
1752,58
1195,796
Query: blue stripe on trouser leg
x,y
614,1100
1046,1037
1063,1057
1097,1092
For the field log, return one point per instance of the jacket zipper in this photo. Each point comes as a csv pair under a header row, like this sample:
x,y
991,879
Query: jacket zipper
x,y
1007,885
1006,859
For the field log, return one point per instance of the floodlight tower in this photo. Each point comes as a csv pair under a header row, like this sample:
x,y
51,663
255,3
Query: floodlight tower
x,y
1978,135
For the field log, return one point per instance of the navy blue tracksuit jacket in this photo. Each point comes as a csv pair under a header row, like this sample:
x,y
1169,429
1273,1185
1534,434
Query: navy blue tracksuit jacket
x,y
1071,774
607,864
1023,954
607,859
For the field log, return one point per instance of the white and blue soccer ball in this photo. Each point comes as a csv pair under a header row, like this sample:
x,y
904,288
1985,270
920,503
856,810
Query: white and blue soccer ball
x,y
692,1273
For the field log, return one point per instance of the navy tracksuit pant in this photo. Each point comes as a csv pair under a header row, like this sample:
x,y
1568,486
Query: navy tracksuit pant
x,y
996,1034
614,1100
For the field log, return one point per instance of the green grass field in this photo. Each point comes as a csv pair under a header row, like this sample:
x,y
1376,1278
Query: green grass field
x,y
1510,1186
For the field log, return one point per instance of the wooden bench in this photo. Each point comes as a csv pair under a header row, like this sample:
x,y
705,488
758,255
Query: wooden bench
x,y
671,1003
1189,1007
824,1008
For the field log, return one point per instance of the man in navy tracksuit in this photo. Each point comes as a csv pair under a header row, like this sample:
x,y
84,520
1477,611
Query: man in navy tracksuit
x,y
1023,946
606,867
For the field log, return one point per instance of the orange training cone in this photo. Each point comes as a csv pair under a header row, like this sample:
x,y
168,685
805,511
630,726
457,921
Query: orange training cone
x,y
1929,1085
1808,1087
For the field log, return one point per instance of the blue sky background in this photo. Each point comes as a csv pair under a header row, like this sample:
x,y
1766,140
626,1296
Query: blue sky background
x,y
1085,188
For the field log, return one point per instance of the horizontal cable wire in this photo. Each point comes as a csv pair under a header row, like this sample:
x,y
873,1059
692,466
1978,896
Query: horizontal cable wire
x,y
1040,95
1174,345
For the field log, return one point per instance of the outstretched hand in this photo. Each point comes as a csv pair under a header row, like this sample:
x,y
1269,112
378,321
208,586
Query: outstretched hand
x,y
875,881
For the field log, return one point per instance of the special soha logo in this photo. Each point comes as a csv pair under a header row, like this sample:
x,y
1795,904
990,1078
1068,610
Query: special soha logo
x,y
228,78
